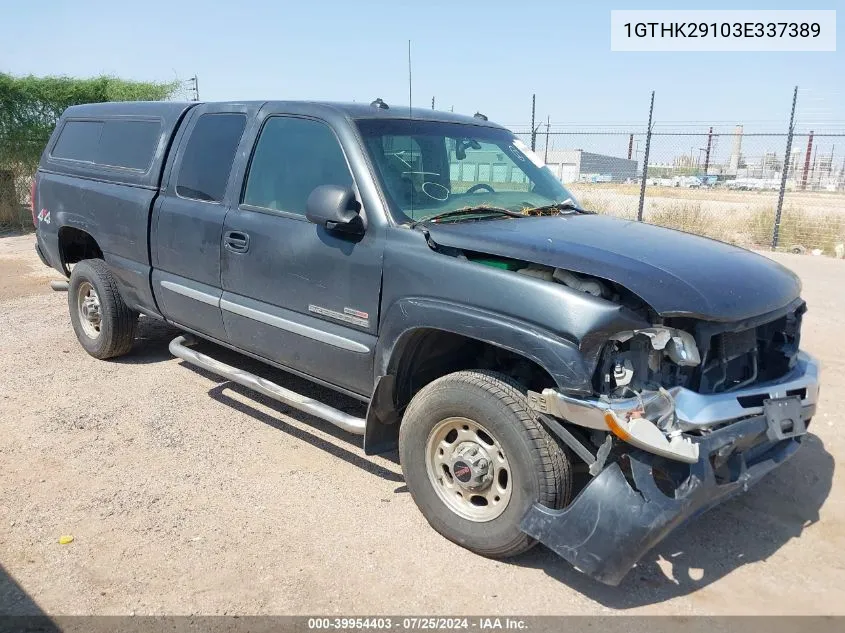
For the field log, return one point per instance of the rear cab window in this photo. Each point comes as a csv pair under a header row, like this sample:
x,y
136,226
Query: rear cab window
x,y
110,143
209,156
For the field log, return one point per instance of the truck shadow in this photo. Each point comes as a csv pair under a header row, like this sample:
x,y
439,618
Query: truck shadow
x,y
151,346
151,340
224,390
219,394
748,529
18,609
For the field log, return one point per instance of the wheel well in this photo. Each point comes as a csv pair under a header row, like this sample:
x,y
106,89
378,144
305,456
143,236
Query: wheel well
x,y
425,355
430,354
76,245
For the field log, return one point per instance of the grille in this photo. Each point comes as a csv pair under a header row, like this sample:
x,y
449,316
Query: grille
x,y
735,344
740,359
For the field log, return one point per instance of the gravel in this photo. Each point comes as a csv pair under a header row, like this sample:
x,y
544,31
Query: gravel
x,y
189,495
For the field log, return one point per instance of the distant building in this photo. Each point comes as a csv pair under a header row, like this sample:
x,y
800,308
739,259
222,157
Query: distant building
x,y
576,165
571,165
770,163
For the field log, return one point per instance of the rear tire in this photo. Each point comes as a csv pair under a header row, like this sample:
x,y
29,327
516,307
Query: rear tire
x,y
487,418
103,323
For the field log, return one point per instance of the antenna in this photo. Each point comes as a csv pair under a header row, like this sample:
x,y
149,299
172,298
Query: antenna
x,y
410,91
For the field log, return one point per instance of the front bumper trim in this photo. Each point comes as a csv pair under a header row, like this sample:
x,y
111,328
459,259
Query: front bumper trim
x,y
693,410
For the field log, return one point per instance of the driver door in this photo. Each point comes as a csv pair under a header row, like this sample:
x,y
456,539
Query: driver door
x,y
296,293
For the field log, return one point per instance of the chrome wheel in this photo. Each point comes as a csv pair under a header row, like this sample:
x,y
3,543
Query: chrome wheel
x,y
88,304
468,469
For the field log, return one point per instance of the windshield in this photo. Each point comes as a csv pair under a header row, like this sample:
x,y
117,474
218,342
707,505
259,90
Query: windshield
x,y
428,168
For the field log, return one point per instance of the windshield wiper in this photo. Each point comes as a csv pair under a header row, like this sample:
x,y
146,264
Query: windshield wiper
x,y
485,209
567,205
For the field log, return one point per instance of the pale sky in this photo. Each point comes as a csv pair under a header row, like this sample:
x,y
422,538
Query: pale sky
x,y
488,56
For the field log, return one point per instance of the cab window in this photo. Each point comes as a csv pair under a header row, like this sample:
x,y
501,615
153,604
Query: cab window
x,y
293,156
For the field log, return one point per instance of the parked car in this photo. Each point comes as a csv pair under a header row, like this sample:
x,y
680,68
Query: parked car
x,y
547,374
689,182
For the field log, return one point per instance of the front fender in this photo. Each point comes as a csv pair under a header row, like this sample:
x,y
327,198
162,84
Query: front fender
x,y
560,357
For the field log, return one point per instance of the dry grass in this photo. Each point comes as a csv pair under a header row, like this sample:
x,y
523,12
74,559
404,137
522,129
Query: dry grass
x,y
15,218
690,218
810,220
799,231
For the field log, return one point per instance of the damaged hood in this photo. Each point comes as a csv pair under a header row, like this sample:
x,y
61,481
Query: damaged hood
x,y
676,273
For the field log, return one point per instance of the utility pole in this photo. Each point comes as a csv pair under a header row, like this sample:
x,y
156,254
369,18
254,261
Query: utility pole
x,y
815,159
807,161
195,88
645,160
432,103
630,146
707,152
533,131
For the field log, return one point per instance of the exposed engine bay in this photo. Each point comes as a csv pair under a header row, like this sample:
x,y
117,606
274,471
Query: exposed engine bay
x,y
706,357
640,372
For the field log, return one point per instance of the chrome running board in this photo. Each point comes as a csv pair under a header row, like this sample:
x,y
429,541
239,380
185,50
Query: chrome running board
x,y
179,347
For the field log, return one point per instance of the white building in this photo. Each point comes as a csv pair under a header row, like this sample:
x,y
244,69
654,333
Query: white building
x,y
576,165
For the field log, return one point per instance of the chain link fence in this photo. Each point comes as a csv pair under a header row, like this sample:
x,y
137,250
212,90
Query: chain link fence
x,y
783,190
15,184
724,184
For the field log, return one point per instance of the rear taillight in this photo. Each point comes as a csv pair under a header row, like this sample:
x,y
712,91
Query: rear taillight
x,y
32,203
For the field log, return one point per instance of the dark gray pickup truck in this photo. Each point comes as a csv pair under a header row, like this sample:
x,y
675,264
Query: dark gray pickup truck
x,y
548,374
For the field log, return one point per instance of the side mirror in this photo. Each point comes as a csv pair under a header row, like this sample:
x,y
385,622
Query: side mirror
x,y
335,208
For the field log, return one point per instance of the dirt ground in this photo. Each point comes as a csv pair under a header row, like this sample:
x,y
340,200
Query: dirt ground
x,y
188,495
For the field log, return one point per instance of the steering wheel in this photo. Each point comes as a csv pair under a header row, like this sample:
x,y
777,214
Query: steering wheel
x,y
479,187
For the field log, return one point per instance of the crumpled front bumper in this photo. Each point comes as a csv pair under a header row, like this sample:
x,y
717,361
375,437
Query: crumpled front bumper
x,y
616,519
610,525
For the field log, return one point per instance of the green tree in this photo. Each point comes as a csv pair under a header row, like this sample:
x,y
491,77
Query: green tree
x,y
30,107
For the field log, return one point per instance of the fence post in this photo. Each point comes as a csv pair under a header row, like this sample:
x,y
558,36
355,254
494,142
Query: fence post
x,y
548,123
785,171
533,130
645,160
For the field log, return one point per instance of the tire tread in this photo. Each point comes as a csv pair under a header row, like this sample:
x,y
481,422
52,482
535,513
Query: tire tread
x,y
120,335
550,463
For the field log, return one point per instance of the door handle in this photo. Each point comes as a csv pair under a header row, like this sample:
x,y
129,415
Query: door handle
x,y
236,241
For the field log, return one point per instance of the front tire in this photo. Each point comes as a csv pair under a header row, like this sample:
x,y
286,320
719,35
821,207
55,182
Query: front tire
x,y
475,459
103,323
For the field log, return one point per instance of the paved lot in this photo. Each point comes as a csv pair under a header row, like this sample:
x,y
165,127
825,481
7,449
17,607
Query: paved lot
x,y
188,495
